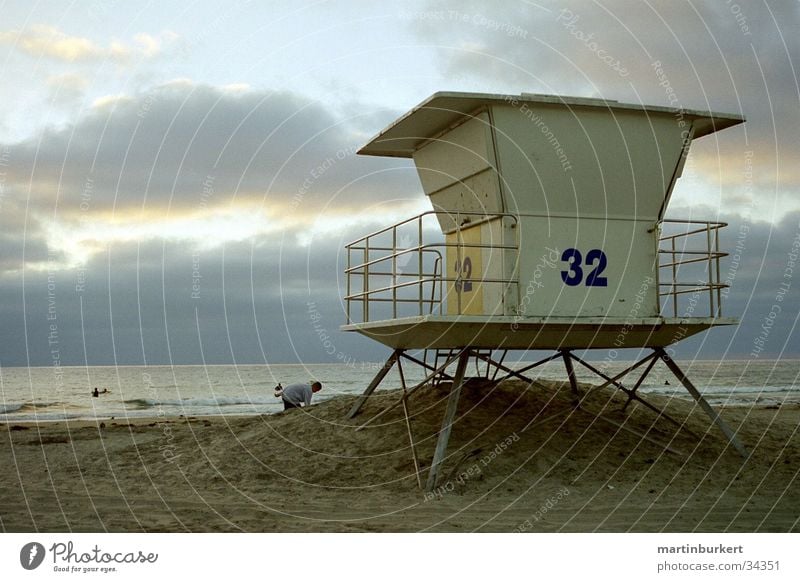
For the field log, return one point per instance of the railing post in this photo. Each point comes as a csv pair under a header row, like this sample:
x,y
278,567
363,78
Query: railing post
x,y
420,263
719,278
515,270
394,272
674,280
366,282
710,268
458,284
349,274
436,265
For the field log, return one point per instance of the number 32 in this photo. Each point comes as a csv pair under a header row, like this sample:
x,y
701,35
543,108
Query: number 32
x,y
574,276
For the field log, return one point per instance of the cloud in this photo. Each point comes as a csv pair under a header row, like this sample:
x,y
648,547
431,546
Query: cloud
x,y
717,56
44,41
67,88
22,243
183,146
193,162
763,272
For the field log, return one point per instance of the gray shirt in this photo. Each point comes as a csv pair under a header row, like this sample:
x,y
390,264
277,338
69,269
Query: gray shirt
x,y
297,394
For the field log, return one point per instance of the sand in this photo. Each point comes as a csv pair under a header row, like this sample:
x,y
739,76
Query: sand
x,y
310,470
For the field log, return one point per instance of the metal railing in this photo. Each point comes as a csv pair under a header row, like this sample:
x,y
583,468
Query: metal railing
x,y
402,266
400,270
689,267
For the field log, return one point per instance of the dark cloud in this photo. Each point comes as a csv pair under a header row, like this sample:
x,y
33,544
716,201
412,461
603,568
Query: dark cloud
x,y
253,301
22,243
164,303
763,272
186,146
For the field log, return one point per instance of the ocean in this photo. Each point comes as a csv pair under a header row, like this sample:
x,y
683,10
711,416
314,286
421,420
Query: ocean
x,y
50,394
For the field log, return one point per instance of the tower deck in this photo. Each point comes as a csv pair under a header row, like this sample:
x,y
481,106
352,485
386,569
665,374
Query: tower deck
x,y
534,333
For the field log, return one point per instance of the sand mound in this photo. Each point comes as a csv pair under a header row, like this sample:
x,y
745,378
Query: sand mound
x,y
520,458
516,434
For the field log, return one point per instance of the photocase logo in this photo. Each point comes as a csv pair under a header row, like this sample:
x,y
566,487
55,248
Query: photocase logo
x,y
31,555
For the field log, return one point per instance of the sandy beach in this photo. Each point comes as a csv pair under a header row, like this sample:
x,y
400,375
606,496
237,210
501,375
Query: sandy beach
x,y
521,458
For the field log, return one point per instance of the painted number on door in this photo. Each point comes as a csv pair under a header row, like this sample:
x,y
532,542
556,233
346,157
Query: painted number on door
x,y
574,275
463,275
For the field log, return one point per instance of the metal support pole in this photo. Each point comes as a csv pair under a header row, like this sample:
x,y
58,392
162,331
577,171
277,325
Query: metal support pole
x,y
425,365
447,422
375,383
436,373
713,414
632,394
500,363
509,371
518,373
573,383
408,424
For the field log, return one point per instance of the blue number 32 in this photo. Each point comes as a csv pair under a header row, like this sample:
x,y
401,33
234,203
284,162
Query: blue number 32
x,y
574,276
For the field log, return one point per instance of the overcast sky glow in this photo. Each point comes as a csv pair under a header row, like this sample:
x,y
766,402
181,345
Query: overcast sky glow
x,y
141,145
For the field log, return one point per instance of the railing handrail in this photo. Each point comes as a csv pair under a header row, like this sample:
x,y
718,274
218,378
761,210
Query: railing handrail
x,y
417,249
678,257
432,248
383,285
489,215
392,253
688,221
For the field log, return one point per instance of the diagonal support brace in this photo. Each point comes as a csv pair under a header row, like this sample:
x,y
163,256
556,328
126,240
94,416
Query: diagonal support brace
x,y
712,414
390,362
447,421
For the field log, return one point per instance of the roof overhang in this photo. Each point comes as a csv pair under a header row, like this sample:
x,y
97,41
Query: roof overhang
x,y
444,110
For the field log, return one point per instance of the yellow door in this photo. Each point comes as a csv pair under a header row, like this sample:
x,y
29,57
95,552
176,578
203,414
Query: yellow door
x,y
464,272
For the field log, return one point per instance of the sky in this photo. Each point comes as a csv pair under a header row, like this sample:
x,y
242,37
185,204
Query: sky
x,y
178,180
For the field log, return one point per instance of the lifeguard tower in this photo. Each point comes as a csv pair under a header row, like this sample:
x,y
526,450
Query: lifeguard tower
x,y
547,232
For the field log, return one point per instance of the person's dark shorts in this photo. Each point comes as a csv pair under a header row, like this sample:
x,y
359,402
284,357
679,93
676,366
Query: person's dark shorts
x,y
288,405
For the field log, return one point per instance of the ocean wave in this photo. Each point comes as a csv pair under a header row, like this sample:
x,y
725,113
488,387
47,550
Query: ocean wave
x,y
721,390
23,407
9,408
201,402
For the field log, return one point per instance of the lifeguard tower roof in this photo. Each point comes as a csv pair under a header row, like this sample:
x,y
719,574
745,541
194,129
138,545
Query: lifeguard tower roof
x,y
549,213
447,109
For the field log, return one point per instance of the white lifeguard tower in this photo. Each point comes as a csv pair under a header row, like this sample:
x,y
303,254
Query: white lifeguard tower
x,y
547,232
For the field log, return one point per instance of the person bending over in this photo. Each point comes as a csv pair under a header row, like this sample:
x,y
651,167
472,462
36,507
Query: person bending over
x,y
297,395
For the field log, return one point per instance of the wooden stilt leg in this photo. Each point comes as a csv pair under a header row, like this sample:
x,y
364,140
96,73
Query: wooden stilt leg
x,y
713,414
447,422
375,383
